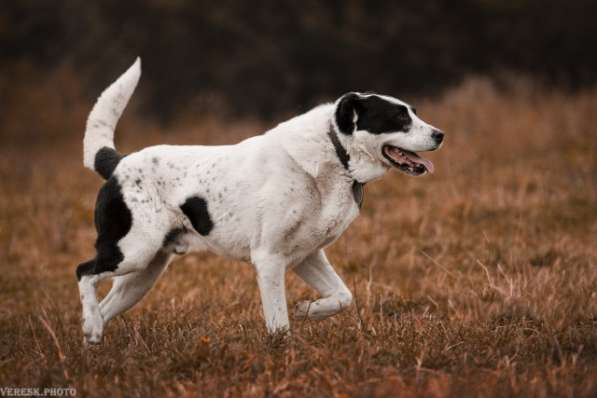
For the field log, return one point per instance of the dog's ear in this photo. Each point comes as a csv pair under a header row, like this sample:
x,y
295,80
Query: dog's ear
x,y
347,112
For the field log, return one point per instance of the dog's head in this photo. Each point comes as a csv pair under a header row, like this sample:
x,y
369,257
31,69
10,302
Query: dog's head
x,y
383,132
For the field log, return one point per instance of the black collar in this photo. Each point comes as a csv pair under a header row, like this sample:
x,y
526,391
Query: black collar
x,y
344,157
340,151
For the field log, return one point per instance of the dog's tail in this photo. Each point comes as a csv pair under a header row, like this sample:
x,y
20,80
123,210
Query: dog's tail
x,y
99,153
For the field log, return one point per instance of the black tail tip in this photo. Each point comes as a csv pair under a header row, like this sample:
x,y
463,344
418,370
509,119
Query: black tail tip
x,y
106,160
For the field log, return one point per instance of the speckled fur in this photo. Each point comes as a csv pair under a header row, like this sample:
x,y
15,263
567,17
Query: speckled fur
x,y
274,200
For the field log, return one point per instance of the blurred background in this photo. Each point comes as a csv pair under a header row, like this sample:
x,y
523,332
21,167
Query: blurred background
x,y
478,280
271,59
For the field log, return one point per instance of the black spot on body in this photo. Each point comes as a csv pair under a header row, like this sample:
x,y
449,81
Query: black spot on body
x,y
374,114
106,160
195,208
113,220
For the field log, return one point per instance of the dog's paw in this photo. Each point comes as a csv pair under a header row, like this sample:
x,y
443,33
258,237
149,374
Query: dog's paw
x,y
93,328
301,309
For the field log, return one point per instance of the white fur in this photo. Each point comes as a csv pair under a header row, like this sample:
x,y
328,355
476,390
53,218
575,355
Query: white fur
x,y
102,120
275,200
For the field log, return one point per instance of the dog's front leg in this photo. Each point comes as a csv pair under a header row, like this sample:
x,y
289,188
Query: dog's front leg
x,y
317,271
270,278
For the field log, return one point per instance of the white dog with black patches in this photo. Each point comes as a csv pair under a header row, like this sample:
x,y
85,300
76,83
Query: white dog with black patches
x,y
275,200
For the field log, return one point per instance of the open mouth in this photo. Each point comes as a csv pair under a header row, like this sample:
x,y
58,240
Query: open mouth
x,y
408,162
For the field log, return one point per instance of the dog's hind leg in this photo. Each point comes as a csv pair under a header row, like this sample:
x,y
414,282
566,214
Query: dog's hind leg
x,y
129,289
133,262
123,246
317,271
92,321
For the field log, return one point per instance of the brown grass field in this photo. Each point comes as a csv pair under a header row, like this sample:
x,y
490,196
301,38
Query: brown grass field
x,y
480,280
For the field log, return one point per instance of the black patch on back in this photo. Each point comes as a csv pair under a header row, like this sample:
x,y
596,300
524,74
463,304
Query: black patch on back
x,y
195,208
106,160
113,220
375,115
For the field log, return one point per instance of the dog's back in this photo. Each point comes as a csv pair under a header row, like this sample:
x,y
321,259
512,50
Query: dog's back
x,y
275,200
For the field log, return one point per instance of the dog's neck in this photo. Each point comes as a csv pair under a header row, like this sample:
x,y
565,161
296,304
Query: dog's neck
x,y
344,158
306,138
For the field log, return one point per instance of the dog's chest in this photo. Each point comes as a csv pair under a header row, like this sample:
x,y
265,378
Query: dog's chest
x,y
327,221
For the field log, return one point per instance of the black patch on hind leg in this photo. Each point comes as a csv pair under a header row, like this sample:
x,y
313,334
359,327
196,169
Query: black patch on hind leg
x,y
85,268
106,160
113,220
195,208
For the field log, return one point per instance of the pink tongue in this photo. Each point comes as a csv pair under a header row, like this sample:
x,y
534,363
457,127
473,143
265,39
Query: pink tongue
x,y
419,160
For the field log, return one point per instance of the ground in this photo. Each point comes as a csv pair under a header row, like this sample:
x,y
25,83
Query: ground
x,y
480,280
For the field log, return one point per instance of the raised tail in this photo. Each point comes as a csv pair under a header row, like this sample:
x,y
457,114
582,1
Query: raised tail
x,y
99,153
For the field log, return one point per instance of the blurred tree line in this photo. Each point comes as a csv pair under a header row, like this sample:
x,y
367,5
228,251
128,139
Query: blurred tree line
x,y
263,58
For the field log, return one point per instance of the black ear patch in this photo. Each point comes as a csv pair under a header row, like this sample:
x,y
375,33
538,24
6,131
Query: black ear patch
x,y
195,208
378,116
348,105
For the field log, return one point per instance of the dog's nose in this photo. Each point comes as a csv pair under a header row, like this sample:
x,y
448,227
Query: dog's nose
x,y
438,136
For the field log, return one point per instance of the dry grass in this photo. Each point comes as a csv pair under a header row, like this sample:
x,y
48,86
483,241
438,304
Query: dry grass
x,y
478,281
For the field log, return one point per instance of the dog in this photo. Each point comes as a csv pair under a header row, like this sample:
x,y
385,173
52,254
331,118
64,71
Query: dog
x,y
275,200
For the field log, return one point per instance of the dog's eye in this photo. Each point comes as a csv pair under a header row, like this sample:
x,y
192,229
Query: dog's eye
x,y
414,110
